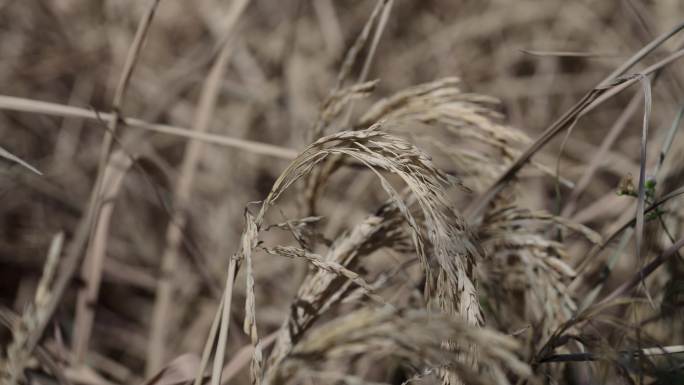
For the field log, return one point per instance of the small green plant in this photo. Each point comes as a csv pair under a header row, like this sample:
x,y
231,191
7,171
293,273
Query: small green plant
x,y
626,187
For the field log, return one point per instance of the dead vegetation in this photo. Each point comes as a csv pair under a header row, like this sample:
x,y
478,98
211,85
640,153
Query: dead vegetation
x,y
386,192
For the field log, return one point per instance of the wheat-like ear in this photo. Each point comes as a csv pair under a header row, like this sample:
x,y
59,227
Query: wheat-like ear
x,y
453,247
464,127
525,274
322,289
442,102
337,101
414,337
478,143
18,354
448,269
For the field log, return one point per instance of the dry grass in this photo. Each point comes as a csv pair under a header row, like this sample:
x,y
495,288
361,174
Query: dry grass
x,y
368,193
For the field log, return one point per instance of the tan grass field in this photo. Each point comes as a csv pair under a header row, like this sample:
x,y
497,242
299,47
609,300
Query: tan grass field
x,y
341,192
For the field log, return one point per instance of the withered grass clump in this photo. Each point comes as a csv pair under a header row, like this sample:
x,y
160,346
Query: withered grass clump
x,y
360,218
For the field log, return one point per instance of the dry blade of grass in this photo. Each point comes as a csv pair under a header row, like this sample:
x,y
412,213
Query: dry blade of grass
x,y
117,168
379,28
40,107
223,324
242,358
209,344
13,158
577,357
573,54
641,198
643,52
